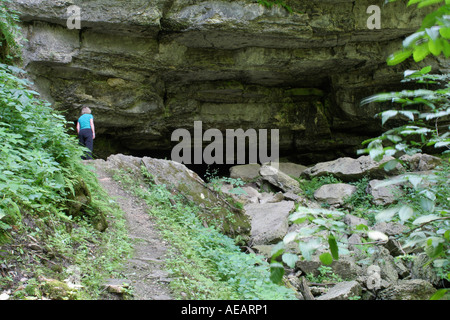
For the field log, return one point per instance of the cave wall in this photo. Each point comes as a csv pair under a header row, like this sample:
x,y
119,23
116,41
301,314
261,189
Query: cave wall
x,y
148,67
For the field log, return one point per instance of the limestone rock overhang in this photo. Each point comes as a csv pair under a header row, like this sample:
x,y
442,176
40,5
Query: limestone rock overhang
x,y
147,68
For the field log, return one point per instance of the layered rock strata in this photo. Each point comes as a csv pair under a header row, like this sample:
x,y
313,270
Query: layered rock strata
x,y
148,67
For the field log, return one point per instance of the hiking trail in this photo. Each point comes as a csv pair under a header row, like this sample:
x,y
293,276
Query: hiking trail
x,y
144,270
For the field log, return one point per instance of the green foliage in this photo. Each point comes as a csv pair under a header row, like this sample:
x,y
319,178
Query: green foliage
x,y
327,229
425,211
39,168
216,182
204,263
38,157
326,275
424,113
9,33
361,202
423,110
432,37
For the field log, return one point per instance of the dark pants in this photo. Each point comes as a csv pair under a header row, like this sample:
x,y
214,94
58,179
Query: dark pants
x,y
86,139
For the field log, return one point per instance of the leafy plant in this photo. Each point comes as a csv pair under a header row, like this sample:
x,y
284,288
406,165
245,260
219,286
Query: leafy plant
x,y
39,159
216,182
322,233
326,274
39,169
9,33
425,212
431,38
426,108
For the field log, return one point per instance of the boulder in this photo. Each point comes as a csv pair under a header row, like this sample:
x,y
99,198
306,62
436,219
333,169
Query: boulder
x,y
334,194
294,197
342,291
421,161
353,241
353,221
390,228
269,221
279,179
384,195
345,267
181,180
388,272
79,201
57,290
420,269
245,194
292,169
245,172
271,198
349,169
413,289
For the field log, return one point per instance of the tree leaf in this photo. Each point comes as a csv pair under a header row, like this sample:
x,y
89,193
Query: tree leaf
x,y
425,70
420,52
427,204
433,33
290,259
435,47
308,248
377,235
434,251
441,144
326,258
408,114
445,32
425,3
333,247
415,180
398,57
385,116
386,215
291,236
424,219
390,165
410,2
405,213
439,294
446,48
411,40
447,235
276,272
277,250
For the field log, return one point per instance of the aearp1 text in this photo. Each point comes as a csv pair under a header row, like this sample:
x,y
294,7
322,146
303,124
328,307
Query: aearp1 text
x,y
246,309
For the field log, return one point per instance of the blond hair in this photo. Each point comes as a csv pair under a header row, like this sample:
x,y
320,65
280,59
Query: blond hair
x,y
85,110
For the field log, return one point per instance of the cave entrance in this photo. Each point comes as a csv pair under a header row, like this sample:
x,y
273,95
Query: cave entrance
x,y
204,170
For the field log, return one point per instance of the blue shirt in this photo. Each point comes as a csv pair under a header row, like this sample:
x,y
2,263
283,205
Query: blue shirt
x,y
85,121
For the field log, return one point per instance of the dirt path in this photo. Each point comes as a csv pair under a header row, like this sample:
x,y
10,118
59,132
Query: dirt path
x,y
144,270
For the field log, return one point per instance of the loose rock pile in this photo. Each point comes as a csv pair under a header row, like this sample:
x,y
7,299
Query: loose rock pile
x,y
271,196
